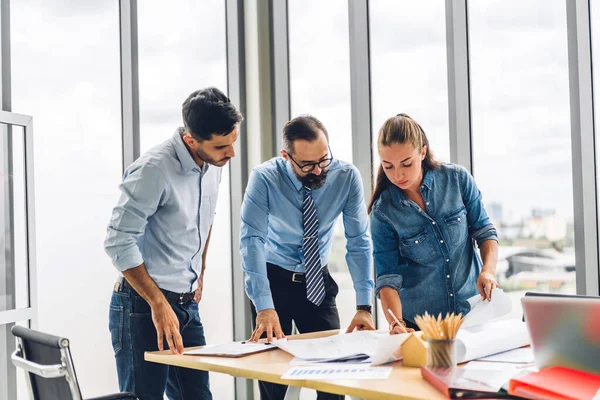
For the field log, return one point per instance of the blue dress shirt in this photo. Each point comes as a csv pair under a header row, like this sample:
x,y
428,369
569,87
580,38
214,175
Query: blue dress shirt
x,y
164,215
429,256
272,229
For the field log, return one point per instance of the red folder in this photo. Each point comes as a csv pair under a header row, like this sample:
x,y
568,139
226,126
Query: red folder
x,y
556,383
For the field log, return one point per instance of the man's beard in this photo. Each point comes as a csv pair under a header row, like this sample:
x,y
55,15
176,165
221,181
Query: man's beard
x,y
208,159
313,181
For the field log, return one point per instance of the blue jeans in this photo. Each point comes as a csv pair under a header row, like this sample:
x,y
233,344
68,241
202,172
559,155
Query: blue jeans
x,y
132,332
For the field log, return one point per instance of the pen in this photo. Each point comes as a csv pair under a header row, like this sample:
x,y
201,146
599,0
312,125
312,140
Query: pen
x,y
396,320
266,343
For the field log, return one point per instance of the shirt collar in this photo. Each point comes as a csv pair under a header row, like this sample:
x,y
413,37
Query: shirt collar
x,y
185,158
427,179
290,171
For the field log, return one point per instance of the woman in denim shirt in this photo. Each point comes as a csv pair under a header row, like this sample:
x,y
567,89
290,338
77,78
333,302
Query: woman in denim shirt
x,y
425,219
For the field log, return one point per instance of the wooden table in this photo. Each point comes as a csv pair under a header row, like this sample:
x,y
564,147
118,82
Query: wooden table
x,y
403,382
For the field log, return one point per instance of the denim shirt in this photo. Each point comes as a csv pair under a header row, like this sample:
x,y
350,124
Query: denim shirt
x,y
271,229
429,256
164,214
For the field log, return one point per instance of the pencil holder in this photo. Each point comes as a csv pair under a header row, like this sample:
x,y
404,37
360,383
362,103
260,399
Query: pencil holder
x,y
441,353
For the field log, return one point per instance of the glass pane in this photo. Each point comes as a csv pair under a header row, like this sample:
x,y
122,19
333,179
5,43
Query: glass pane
x,y
14,292
320,85
522,140
409,76
182,48
66,74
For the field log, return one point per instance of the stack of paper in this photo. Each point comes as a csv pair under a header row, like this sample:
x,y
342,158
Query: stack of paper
x,y
479,336
376,346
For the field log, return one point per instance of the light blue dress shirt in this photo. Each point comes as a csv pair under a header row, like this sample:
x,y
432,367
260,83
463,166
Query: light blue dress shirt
x,y
272,229
164,215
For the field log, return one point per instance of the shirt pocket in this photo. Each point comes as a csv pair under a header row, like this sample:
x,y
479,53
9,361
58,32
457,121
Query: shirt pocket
x,y
419,246
458,228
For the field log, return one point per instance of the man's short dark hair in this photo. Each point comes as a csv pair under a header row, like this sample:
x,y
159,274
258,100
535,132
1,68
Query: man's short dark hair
x,y
208,112
304,127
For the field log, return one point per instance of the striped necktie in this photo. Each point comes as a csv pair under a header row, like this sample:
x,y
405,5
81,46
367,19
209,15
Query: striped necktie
x,y
315,288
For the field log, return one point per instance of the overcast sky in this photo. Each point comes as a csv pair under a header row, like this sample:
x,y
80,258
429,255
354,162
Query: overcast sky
x,y
65,71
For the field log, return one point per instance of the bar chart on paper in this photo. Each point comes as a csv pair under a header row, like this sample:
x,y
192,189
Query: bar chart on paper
x,y
343,371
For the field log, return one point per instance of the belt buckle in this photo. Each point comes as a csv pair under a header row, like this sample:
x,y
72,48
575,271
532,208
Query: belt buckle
x,y
294,277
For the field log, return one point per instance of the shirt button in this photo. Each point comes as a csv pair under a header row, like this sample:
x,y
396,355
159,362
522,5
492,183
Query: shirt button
x,y
448,276
441,241
459,219
433,223
427,203
451,294
416,242
447,260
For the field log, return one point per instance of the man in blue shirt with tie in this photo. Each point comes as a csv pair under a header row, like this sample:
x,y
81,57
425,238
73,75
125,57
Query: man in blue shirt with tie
x,y
158,237
290,208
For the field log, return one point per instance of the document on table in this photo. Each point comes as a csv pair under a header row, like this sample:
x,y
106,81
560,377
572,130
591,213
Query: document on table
x,y
234,349
337,371
490,338
522,355
378,346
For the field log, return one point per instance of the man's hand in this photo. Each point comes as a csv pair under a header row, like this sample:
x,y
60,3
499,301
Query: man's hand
x,y
198,293
485,283
167,325
267,321
363,320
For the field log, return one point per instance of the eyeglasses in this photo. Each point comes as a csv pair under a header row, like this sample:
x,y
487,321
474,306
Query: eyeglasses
x,y
306,168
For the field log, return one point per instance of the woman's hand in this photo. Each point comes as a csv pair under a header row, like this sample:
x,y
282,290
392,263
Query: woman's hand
x,y
485,283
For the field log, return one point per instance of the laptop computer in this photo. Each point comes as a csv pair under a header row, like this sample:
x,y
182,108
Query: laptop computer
x,y
564,330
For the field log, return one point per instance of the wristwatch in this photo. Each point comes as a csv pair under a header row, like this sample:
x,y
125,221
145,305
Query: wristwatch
x,y
364,308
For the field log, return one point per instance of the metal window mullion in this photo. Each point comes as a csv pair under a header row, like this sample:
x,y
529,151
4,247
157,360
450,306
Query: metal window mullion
x,y
238,173
130,102
459,98
585,189
360,89
280,71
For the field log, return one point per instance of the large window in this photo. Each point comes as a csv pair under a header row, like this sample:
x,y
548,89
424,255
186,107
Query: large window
x,y
65,73
182,48
522,140
320,85
409,76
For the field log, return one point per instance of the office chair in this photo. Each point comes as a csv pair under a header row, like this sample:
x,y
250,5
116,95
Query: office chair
x,y
50,373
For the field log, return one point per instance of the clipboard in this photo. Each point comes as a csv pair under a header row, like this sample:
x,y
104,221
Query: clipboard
x,y
232,350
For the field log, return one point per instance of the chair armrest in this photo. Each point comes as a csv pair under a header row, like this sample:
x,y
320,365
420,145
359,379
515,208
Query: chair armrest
x,y
117,396
45,371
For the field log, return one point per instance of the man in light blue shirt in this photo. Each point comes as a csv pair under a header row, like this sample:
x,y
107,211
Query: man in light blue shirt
x,y
158,238
289,211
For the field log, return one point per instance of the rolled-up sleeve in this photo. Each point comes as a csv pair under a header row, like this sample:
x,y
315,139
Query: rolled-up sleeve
x,y
389,264
358,242
480,225
254,226
142,191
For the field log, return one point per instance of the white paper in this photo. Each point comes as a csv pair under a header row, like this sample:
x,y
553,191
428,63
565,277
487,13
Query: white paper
x,y
332,347
389,348
491,338
516,356
234,349
483,311
492,375
337,371
301,361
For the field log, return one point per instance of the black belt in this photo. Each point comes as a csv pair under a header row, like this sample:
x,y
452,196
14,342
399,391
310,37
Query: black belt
x,y
180,298
282,273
